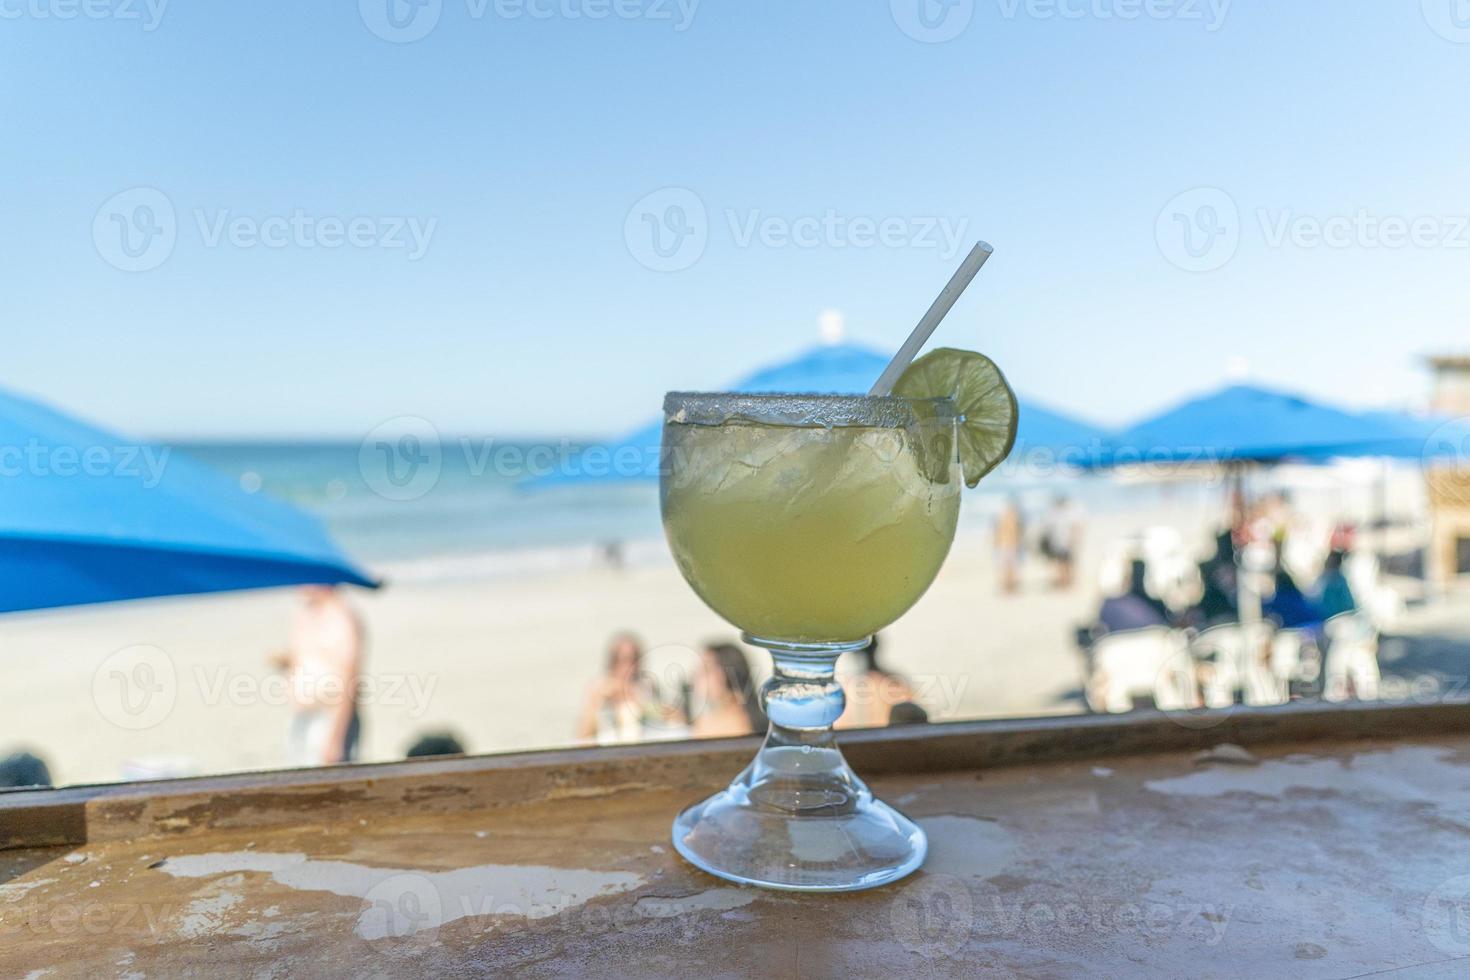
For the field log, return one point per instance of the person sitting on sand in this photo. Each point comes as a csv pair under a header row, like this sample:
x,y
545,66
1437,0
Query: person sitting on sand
x,y
1220,577
726,695
1288,607
431,744
323,662
872,692
621,705
23,769
1334,594
907,713
1135,609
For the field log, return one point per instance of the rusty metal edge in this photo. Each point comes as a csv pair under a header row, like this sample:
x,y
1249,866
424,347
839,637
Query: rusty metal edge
x,y
79,814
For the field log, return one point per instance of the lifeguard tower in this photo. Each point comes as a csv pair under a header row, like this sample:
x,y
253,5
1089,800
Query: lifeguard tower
x,y
1449,481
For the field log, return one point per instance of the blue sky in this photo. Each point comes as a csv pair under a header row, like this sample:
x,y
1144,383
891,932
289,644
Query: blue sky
x,y
526,140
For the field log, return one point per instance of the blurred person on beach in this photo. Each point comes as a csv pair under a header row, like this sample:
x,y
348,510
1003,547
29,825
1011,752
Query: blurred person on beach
x,y
1276,517
1135,609
1010,535
1220,577
20,770
621,705
907,713
1061,530
1334,594
872,691
1288,607
323,661
726,695
431,744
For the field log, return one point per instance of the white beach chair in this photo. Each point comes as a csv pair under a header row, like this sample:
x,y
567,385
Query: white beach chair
x,y
1147,664
1350,667
1287,662
1236,659
1380,602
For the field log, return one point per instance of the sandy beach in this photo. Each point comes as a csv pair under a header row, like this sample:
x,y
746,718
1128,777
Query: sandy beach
x,y
502,661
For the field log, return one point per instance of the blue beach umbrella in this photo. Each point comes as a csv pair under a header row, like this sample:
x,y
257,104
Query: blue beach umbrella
x,y
88,516
828,369
1250,424
1426,438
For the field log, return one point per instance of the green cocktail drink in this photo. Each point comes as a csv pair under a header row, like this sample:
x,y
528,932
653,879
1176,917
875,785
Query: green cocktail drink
x,y
823,531
811,522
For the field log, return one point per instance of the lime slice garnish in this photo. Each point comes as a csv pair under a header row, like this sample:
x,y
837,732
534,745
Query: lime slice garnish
x,y
986,404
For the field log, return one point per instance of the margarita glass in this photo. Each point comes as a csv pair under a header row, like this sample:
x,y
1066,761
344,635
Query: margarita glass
x,y
809,522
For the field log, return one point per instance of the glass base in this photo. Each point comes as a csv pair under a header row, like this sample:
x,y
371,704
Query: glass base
x,y
798,818
732,837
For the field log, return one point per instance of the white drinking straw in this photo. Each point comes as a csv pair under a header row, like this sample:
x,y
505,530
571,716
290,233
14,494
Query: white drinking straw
x,y
937,311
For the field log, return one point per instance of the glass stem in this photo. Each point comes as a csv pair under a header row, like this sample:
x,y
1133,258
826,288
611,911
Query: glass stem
x,y
800,768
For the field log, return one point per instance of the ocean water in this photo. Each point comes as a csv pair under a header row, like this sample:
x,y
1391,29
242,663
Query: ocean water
x,y
477,518
470,510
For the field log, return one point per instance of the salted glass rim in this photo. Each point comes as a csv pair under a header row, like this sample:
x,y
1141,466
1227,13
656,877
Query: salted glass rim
x,y
804,409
